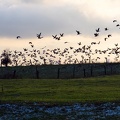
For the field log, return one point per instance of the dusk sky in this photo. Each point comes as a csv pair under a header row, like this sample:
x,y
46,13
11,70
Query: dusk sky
x,y
28,18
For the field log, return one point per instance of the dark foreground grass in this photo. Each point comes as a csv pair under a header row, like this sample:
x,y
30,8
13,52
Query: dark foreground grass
x,y
98,89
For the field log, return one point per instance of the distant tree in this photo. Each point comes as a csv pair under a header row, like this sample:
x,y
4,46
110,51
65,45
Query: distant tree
x,y
6,58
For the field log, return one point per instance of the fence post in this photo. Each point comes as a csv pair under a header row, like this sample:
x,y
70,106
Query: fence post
x,y
84,72
58,73
14,73
74,71
111,70
91,71
105,69
37,73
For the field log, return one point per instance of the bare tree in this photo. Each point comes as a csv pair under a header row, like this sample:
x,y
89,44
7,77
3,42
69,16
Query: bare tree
x,y
6,58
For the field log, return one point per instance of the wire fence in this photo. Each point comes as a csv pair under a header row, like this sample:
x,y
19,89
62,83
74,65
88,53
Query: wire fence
x,y
60,71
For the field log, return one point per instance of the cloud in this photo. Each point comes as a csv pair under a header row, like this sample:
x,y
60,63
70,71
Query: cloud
x,y
108,8
27,20
53,17
32,1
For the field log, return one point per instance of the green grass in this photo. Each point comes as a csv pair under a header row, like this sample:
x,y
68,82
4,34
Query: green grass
x,y
98,89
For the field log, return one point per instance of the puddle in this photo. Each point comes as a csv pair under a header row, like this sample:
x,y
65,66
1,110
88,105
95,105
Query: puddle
x,y
76,111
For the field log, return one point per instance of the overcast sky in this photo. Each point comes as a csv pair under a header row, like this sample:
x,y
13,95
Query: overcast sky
x,y
29,17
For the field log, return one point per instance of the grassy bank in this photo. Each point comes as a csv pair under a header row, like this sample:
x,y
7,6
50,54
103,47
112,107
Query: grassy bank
x,y
99,89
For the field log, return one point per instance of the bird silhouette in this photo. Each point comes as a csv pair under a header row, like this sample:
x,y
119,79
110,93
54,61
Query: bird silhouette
x,y
61,34
106,29
117,25
105,39
71,47
98,30
98,42
93,43
96,34
39,36
109,35
32,45
58,38
18,37
114,20
116,44
30,42
78,32
79,43
54,36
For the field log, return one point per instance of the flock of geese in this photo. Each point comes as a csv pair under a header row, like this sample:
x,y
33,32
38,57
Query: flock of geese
x,y
68,55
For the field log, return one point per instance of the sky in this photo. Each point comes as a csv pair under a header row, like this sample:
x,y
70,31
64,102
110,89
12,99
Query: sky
x,y
28,18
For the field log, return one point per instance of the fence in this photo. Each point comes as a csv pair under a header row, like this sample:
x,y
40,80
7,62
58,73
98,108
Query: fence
x,y
60,71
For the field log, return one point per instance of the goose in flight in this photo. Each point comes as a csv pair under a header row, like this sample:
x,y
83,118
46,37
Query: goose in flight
x,y
114,20
105,39
39,36
116,44
96,34
54,36
61,34
30,42
58,38
109,35
106,29
98,30
18,37
79,43
78,32
117,25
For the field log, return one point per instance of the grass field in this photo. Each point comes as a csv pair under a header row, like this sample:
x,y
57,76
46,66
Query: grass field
x,y
98,89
